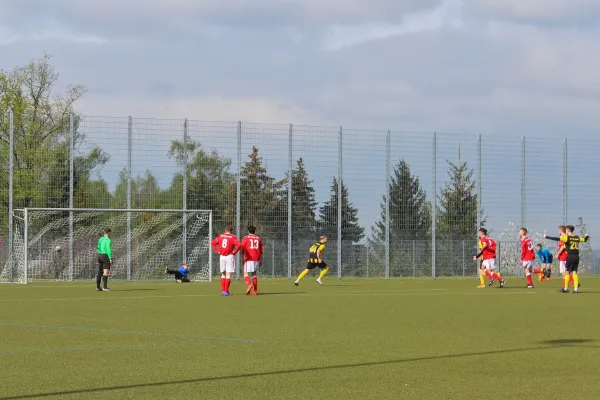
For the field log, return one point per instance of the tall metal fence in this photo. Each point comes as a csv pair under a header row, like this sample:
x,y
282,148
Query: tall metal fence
x,y
409,203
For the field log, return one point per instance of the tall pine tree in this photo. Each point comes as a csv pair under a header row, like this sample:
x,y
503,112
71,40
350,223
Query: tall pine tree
x,y
410,219
262,198
304,205
352,232
457,213
410,212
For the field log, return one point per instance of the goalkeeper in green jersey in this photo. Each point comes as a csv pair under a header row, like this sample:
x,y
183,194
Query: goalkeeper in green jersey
x,y
105,260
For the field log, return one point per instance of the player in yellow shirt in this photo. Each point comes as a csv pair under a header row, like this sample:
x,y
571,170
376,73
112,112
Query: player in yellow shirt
x,y
315,260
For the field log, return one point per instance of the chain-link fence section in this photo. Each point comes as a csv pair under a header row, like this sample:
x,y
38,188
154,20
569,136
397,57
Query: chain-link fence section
x,y
393,203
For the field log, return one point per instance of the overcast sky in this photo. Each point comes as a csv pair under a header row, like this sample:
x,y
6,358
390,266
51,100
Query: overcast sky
x,y
495,67
472,66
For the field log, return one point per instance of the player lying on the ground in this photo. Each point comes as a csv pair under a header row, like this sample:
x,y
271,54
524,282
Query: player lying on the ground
x,y
180,274
571,242
488,255
545,257
315,260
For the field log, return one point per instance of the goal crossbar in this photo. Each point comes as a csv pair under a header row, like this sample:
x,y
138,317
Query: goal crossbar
x,y
158,241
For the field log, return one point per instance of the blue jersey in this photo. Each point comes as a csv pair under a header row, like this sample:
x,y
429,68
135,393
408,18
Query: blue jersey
x,y
184,271
544,255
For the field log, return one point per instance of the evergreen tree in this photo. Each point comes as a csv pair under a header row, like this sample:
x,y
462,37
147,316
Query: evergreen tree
x,y
352,232
262,198
304,205
457,213
410,212
410,219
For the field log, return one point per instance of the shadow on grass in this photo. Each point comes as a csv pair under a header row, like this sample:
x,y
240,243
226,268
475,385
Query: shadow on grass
x,y
566,342
550,344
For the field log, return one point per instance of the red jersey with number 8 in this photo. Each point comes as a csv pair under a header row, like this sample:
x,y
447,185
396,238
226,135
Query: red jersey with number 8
x,y
226,243
252,246
489,251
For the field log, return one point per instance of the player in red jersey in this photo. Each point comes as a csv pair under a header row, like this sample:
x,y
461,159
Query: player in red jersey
x,y
562,254
252,249
527,256
488,254
227,245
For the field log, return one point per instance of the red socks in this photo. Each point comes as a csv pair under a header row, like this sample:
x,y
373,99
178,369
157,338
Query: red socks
x,y
529,280
571,279
223,285
247,280
538,271
488,274
255,283
227,284
496,276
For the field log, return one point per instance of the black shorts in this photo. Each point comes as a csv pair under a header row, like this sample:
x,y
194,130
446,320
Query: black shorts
x,y
313,265
572,262
103,262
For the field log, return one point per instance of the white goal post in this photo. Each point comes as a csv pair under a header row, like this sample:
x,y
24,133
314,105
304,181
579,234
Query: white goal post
x,y
59,244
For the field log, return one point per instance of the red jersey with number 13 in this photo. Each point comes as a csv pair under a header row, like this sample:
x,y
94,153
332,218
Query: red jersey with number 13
x,y
527,252
489,250
252,247
226,243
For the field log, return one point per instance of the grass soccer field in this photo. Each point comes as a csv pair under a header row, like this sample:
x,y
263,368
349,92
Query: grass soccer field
x,y
369,339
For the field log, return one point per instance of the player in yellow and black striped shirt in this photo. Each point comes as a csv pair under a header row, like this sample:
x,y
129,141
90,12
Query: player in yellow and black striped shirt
x,y
315,260
571,242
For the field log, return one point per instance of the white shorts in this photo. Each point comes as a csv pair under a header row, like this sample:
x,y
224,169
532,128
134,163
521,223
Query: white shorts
x,y
228,263
563,267
251,266
528,264
489,264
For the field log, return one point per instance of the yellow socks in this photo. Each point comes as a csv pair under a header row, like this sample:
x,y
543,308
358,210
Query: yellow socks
x,y
566,281
302,274
575,280
481,280
324,272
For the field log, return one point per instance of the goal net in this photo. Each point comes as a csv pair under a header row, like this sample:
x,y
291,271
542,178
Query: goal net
x,y
60,244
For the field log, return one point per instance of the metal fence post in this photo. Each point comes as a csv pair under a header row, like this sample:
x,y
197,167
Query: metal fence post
x,y
210,235
367,248
238,202
71,189
565,184
387,203
273,259
479,184
523,171
129,143
414,258
340,204
463,256
184,189
289,216
499,256
434,206
11,167
26,245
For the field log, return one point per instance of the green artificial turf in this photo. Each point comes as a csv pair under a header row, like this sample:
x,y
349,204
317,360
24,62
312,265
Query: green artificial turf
x,y
369,339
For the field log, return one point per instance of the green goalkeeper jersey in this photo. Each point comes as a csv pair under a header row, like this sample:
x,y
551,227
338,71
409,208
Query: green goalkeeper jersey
x,y
104,246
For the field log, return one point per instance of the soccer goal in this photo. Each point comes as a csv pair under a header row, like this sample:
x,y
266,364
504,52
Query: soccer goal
x,y
59,244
